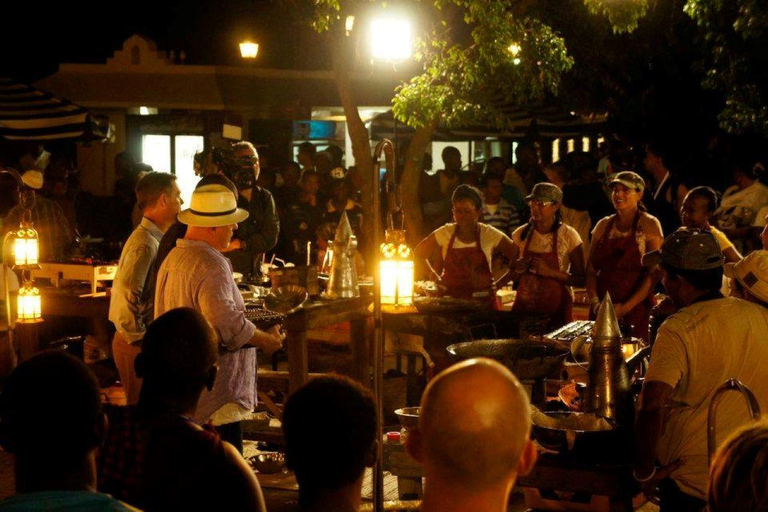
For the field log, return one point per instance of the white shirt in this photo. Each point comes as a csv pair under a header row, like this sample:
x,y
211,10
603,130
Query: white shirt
x,y
490,238
129,309
697,349
568,239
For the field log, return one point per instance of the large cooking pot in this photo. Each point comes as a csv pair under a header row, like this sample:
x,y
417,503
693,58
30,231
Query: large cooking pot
x,y
527,359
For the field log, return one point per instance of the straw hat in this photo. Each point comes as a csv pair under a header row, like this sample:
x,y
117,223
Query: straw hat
x,y
212,206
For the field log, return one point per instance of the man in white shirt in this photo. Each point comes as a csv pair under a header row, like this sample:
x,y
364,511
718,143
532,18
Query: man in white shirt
x,y
710,340
158,197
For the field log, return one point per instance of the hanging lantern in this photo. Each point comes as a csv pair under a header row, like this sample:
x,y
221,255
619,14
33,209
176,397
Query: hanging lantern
x,y
396,270
30,308
26,248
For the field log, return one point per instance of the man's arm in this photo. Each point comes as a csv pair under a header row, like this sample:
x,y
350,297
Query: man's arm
x,y
130,280
651,416
217,304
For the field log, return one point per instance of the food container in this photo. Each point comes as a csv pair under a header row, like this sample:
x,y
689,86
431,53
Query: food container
x,y
268,462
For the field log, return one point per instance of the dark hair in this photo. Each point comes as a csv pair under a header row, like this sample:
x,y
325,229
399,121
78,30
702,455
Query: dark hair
x,y
307,147
659,149
739,472
293,165
151,187
336,154
487,177
330,430
72,401
178,351
712,197
449,149
469,193
709,280
555,227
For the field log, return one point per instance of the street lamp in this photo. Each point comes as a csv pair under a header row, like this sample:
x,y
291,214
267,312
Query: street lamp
x,y
26,251
391,38
249,49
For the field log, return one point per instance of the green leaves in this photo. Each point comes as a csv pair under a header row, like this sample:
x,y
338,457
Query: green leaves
x,y
623,15
735,33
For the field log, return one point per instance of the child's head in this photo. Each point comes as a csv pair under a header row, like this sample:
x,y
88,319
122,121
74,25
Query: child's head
x,y
698,207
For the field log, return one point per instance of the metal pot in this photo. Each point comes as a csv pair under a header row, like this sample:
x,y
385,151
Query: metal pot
x,y
527,359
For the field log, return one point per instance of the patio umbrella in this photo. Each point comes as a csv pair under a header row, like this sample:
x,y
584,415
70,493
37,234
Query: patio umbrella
x,y
29,114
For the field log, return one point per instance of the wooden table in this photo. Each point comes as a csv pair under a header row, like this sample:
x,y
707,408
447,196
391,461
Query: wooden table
x,y
323,313
64,303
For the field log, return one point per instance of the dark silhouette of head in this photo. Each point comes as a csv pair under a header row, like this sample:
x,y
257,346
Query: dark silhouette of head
x,y
330,434
51,419
177,360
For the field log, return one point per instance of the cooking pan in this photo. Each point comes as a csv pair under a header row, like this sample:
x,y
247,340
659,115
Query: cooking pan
x,y
527,359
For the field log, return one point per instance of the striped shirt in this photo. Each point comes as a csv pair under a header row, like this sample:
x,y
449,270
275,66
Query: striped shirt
x,y
195,275
503,216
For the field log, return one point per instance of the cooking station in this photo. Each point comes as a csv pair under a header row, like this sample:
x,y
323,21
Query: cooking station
x,y
585,450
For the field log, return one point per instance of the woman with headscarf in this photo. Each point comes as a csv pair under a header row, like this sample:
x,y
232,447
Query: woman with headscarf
x,y
548,259
618,244
463,250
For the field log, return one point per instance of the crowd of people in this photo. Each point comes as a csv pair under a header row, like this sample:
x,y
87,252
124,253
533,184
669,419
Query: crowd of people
x,y
186,353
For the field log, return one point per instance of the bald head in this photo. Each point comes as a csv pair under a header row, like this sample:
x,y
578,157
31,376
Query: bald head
x,y
474,424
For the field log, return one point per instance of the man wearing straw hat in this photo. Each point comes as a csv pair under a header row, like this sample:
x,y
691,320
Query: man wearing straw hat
x,y
196,274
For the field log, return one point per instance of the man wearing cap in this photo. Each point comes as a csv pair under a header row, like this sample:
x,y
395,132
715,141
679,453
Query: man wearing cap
x,y
130,307
710,340
258,233
195,274
749,278
46,216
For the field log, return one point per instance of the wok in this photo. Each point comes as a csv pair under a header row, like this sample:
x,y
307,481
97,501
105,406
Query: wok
x,y
528,360
584,436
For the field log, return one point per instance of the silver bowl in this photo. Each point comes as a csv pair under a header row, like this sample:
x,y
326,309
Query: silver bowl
x,y
408,416
286,299
268,463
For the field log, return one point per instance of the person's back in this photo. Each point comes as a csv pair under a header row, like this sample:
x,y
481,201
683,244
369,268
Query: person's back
x,y
157,457
715,340
188,467
54,467
330,432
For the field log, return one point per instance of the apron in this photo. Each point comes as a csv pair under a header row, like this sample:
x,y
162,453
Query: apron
x,y
467,272
620,271
545,295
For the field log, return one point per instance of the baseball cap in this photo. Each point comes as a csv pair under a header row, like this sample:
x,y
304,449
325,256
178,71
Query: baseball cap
x,y
545,192
752,273
687,249
629,179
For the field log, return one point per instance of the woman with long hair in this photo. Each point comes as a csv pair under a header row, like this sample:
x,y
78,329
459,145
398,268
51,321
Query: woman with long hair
x,y
548,259
618,244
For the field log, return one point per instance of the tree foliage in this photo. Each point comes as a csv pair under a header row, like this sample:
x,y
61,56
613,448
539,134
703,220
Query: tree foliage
x,y
735,33
477,55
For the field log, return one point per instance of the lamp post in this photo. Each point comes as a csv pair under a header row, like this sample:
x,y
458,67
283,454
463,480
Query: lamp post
x,y
393,290
26,251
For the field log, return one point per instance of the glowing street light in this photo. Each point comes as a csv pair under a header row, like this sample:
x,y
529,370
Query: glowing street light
x,y
249,49
514,49
391,38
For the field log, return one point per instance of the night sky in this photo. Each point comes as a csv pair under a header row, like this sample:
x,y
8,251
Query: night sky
x,y
36,36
